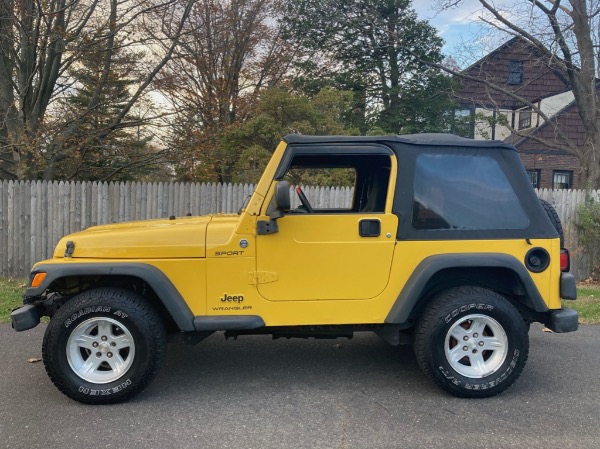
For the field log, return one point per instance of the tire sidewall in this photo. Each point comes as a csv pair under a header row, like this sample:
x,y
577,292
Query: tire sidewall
x,y
498,380
60,328
554,219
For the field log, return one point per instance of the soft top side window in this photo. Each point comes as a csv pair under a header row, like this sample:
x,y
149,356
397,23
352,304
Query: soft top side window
x,y
361,182
463,192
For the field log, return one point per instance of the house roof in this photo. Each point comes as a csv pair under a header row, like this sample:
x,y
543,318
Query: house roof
x,y
509,43
542,78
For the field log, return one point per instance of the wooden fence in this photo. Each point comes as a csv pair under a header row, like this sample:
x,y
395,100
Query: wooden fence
x,y
34,215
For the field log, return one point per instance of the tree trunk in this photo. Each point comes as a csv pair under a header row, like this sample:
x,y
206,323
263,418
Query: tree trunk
x,y
9,115
589,169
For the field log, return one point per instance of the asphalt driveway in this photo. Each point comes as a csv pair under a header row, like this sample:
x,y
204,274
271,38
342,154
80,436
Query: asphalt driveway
x,y
259,393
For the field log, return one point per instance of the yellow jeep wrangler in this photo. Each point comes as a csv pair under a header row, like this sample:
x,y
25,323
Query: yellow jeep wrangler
x,y
441,243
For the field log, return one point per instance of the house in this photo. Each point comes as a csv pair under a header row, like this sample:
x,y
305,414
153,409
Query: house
x,y
518,68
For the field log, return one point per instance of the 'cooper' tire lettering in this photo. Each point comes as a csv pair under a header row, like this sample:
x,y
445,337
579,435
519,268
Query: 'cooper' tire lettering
x,y
466,308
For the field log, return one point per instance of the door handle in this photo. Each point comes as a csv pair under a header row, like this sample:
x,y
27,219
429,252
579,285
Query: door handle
x,y
369,228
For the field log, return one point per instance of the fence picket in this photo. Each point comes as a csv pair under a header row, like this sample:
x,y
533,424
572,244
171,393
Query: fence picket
x,y
22,246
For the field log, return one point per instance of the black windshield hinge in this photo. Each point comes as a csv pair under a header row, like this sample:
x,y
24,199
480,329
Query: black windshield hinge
x,y
266,227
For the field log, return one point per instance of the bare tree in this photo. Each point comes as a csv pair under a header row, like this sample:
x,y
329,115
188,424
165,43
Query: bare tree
x,y
40,44
564,35
230,52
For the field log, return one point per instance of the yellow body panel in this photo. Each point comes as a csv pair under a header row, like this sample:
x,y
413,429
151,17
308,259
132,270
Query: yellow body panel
x,y
208,285
409,254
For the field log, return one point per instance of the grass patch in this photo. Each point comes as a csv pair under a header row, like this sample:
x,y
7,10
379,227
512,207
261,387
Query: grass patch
x,y
587,303
11,296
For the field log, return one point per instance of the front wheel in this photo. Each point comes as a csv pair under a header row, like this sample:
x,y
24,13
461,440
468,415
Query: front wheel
x,y
471,342
104,346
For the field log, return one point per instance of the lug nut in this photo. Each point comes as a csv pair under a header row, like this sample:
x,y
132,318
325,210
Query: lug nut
x,y
481,343
475,335
98,354
465,338
113,344
465,348
104,338
95,344
109,355
474,351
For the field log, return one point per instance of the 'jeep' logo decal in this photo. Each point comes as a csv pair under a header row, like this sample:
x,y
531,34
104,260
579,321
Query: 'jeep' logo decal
x,y
234,298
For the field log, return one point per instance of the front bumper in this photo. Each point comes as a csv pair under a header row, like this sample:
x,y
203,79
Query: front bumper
x,y
562,320
26,317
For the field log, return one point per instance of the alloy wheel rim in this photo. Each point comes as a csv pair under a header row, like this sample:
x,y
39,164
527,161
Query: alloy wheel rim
x,y
100,350
476,346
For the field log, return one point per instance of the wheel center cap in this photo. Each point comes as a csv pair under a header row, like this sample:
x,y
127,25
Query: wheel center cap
x,y
103,347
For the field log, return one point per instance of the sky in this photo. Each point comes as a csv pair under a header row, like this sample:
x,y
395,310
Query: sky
x,y
455,26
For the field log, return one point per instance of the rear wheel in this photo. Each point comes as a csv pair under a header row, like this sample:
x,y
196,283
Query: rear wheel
x,y
104,346
471,342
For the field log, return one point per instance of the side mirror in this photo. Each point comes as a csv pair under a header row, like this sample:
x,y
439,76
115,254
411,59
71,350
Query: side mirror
x,y
282,196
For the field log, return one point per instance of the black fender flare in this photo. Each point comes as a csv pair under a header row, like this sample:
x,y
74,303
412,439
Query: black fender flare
x,y
413,289
167,294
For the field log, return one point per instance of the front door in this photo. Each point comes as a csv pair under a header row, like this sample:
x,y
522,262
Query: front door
x,y
332,248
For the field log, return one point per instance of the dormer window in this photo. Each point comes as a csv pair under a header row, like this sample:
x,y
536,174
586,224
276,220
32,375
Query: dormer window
x,y
515,72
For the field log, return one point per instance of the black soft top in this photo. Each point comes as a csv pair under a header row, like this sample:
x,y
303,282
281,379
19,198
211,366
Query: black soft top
x,y
429,139
407,149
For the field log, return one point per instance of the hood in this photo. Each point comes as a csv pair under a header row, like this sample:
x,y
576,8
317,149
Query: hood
x,y
154,239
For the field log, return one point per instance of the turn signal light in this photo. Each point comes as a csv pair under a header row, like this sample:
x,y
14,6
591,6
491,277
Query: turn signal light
x,y
565,260
38,279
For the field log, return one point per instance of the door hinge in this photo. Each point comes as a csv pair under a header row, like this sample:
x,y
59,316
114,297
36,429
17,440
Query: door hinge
x,y
261,277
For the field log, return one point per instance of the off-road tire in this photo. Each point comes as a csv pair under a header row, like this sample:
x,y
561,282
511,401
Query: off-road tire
x,y
457,311
75,336
555,220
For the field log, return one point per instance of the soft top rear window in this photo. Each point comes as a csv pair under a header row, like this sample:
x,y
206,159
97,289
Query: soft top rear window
x,y
464,193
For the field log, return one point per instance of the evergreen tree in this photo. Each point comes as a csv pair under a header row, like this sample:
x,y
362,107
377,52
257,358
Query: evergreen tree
x,y
375,49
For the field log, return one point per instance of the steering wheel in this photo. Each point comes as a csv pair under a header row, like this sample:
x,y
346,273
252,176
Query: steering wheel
x,y
304,200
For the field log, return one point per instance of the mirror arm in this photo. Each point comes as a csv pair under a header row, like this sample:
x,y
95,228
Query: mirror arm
x,y
282,203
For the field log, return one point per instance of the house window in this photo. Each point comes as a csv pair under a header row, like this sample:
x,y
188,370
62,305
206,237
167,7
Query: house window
x,y
464,122
562,179
525,119
515,72
534,177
